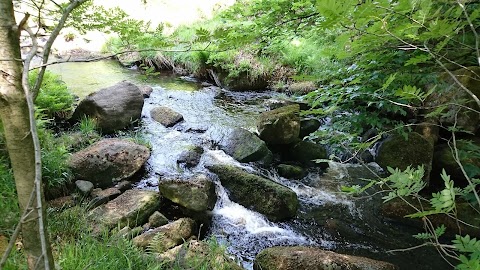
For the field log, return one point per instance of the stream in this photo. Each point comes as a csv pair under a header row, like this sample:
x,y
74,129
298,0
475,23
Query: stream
x,y
327,218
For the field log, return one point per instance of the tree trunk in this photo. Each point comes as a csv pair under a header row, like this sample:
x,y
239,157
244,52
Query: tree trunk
x,y
14,113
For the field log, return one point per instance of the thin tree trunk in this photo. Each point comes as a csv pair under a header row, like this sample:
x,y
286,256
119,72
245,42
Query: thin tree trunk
x,y
14,113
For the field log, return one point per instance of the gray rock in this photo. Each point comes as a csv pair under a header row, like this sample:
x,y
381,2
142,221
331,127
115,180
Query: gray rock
x,y
245,146
191,157
100,196
113,108
157,219
146,91
124,185
312,258
166,116
85,187
197,194
267,197
132,208
280,126
167,236
108,161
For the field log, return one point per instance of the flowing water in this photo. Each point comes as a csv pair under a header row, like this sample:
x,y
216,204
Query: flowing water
x,y
327,218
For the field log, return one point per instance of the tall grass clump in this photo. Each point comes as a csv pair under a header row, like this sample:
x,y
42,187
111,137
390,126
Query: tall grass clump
x,y
9,209
55,172
105,253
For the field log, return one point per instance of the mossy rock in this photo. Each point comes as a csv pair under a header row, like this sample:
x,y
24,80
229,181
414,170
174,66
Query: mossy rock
x,y
245,146
166,116
132,208
290,171
191,157
302,88
167,236
265,196
108,161
280,126
312,258
400,152
196,194
306,152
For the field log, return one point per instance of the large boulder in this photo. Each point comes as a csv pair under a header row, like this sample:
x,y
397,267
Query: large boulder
x,y
167,236
265,196
113,108
280,126
400,152
458,101
166,116
108,161
196,194
245,146
311,258
132,208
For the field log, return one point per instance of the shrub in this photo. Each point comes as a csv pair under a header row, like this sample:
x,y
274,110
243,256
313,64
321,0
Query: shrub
x,y
54,99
